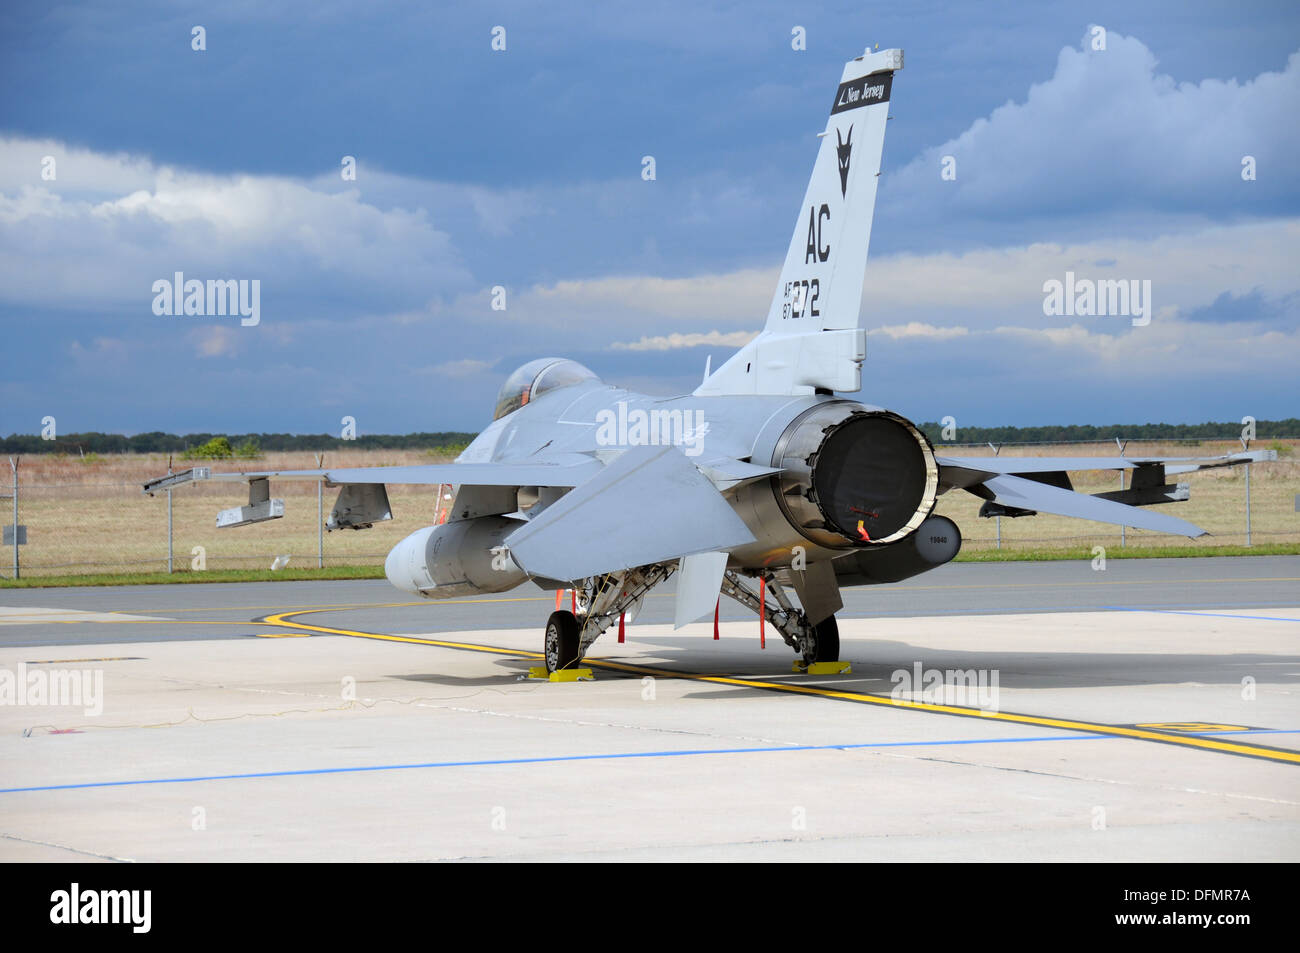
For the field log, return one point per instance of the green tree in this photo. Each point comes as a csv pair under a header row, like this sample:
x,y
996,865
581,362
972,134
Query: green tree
x,y
249,450
218,448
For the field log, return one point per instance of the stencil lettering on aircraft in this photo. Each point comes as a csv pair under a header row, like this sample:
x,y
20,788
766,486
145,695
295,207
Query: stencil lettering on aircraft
x,y
864,91
816,251
801,298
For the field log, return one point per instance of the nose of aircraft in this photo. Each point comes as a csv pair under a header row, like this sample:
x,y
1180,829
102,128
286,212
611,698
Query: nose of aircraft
x,y
405,565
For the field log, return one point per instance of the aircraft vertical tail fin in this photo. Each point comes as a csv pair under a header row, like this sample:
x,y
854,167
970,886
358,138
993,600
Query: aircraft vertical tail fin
x,y
813,338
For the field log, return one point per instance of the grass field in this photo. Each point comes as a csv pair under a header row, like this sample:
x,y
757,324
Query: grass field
x,y
88,517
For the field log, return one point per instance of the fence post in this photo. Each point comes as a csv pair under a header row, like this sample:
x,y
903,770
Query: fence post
x,y
1247,505
997,519
13,465
1122,527
320,516
169,519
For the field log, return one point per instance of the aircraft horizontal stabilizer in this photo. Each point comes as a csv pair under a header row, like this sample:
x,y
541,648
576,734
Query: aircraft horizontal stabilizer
x,y
648,506
1062,464
1022,494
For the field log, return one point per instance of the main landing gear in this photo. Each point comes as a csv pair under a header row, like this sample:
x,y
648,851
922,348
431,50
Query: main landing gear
x,y
600,601
813,643
562,631
825,642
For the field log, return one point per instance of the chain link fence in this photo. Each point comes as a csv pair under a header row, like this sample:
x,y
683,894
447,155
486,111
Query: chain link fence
x,y
88,515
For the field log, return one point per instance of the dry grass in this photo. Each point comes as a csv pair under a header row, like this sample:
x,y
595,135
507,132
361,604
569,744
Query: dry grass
x,y
90,516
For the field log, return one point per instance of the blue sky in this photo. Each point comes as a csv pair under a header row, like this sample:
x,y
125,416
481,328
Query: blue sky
x,y
522,169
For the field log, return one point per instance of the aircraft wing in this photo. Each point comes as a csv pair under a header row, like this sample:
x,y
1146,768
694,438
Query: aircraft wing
x,y
1023,486
363,500
461,474
648,506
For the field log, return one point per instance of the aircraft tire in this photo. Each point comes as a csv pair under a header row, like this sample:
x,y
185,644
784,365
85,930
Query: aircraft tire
x,y
561,644
827,639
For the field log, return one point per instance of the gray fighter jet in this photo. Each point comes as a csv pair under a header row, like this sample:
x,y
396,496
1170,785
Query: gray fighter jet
x,y
762,481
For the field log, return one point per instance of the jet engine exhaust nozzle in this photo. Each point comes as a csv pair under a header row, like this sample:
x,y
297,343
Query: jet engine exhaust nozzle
x,y
854,476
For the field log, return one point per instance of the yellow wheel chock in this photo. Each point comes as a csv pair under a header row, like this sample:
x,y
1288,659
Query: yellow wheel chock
x,y
821,668
540,673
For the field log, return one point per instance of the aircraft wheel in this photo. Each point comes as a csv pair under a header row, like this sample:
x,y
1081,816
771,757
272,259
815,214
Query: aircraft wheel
x,y
825,640
561,640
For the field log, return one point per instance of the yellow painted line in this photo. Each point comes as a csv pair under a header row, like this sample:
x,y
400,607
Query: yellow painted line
x,y
279,619
235,622
1065,724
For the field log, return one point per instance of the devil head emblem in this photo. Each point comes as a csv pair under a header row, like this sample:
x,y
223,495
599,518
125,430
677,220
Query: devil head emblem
x,y
843,150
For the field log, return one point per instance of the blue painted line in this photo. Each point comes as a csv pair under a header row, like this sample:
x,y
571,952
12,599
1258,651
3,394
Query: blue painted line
x,y
1205,615
544,760
589,757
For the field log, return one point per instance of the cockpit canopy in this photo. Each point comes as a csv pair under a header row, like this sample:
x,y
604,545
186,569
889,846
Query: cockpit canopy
x,y
536,378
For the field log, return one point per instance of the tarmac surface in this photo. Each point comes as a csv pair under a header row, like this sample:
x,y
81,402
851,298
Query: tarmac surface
x,y
995,711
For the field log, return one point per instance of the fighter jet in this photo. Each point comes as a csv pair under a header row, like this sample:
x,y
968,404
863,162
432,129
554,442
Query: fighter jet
x,y
764,481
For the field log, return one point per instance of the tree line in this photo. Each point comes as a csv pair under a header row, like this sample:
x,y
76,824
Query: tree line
x,y
1080,433
193,444
181,444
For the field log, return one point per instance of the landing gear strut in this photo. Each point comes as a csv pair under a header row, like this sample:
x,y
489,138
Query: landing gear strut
x,y
814,643
599,600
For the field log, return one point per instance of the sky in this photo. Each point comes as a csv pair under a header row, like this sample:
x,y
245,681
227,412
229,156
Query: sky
x,y
1167,155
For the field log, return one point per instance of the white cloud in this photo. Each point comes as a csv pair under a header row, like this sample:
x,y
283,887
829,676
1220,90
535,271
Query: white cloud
x,y
906,293
101,350
107,226
216,341
78,172
1005,285
916,329
672,342
1109,132
738,296
462,368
